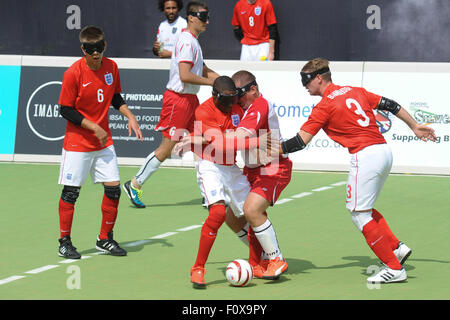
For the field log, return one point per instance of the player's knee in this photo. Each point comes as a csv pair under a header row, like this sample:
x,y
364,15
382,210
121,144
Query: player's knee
x,y
361,218
70,194
113,192
251,211
217,214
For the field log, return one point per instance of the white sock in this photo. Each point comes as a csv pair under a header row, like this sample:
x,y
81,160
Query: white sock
x,y
243,234
268,239
150,165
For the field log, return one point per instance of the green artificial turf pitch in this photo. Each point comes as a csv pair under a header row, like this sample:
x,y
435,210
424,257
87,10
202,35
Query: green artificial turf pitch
x,y
327,256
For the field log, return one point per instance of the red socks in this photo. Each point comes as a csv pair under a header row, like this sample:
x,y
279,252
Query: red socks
x,y
216,217
378,241
393,241
255,249
65,217
109,215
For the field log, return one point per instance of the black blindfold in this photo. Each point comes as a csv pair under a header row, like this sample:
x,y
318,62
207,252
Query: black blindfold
x,y
202,15
307,77
90,47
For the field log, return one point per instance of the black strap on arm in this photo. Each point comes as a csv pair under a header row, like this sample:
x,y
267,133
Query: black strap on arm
x,y
389,105
238,34
117,101
71,114
273,31
294,144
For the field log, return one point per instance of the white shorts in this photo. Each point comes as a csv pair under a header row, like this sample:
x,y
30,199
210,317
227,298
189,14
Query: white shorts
x,y
369,169
227,183
101,164
254,52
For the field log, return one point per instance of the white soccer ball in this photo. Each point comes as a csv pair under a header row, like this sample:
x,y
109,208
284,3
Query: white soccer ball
x,y
239,273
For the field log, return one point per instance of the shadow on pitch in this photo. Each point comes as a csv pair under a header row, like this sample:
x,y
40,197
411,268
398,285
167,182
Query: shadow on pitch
x,y
365,262
193,202
296,266
134,246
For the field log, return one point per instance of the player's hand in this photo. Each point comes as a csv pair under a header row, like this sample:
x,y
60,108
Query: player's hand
x,y
101,135
269,143
156,46
270,56
425,133
184,145
134,126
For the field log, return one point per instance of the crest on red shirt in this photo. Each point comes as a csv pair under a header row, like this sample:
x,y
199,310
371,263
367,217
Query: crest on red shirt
x,y
235,119
258,10
109,79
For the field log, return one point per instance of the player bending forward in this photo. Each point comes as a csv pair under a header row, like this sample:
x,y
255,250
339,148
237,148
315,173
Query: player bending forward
x,y
346,115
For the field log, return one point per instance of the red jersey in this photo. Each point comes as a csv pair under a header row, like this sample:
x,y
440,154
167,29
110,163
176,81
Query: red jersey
x,y
214,124
346,115
254,20
261,117
90,92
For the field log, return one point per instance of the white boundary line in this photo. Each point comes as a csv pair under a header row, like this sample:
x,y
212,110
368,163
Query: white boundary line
x,y
160,236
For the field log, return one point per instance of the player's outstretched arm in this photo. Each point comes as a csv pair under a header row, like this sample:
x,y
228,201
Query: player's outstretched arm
x,y
423,132
296,143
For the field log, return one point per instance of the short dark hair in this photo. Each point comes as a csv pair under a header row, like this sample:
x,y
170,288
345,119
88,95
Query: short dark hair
x,y
162,2
91,34
195,6
224,83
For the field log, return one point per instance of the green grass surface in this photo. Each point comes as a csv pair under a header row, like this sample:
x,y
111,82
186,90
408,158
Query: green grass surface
x,y
327,256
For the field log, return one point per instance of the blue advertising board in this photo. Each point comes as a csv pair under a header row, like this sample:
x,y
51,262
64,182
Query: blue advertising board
x,y
9,96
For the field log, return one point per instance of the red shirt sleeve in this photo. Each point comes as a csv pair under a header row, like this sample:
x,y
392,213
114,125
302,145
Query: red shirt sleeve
x,y
235,20
118,88
270,14
256,117
69,89
316,121
373,98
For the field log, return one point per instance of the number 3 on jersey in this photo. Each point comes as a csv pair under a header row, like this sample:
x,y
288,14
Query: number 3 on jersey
x,y
359,111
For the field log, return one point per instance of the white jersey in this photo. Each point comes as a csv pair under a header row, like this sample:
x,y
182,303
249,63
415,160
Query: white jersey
x,y
188,50
168,33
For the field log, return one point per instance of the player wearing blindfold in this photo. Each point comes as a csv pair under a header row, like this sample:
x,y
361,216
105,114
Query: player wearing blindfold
x,y
221,181
346,114
187,73
90,86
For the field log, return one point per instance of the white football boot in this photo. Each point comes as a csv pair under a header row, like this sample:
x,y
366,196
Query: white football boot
x,y
388,275
402,252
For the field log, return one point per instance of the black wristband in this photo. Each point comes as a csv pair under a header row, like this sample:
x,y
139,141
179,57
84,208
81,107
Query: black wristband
x,y
71,114
294,144
273,31
238,34
117,101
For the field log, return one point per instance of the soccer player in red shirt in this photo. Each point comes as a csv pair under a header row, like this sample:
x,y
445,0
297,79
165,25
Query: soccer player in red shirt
x,y
346,114
89,87
267,180
220,179
255,26
267,177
